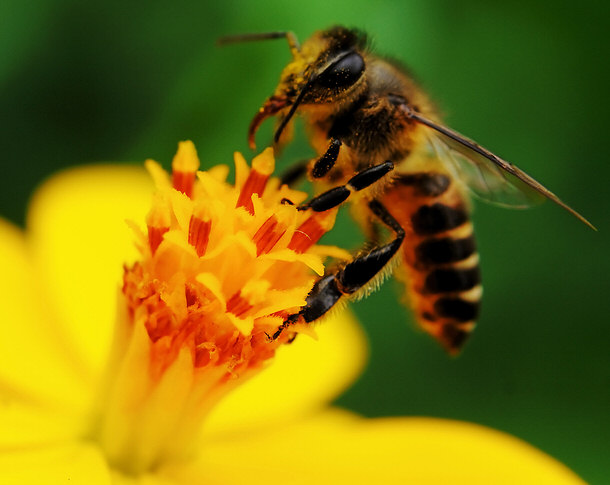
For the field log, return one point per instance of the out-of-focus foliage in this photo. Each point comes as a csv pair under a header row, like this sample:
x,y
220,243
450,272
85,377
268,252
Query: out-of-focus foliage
x,y
117,81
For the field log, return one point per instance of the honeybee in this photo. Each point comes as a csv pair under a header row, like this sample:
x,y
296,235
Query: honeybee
x,y
380,142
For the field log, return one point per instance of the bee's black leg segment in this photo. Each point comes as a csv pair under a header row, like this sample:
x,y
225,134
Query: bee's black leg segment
x,y
291,320
388,219
335,196
362,269
320,168
352,277
327,160
327,200
322,297
369,176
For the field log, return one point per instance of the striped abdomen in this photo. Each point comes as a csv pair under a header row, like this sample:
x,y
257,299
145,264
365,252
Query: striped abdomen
x,y
441,263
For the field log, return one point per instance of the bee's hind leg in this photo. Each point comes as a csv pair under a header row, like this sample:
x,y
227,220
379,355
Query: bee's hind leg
x,y
350,278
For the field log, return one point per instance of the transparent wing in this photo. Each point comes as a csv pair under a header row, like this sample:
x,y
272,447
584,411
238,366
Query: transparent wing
x,y
487,175
484,179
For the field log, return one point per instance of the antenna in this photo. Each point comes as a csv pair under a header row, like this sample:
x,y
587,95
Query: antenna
x,y
293,42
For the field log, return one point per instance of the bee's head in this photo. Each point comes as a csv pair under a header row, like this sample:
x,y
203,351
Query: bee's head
x,y
325,73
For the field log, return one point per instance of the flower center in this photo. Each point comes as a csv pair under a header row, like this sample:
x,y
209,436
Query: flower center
x,y
221,268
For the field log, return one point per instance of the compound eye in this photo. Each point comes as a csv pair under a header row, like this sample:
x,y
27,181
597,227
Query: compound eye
x,y
343,73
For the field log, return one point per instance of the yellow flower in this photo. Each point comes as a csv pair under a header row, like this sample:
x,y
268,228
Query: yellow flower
x,y
85,400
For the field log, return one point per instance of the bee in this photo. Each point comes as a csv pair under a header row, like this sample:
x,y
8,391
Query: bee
x,y
380,142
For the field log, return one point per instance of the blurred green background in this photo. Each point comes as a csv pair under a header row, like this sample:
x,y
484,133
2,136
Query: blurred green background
x,y
124,81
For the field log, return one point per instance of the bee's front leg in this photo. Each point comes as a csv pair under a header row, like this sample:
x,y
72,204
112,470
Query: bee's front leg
x,y
320,167
327,161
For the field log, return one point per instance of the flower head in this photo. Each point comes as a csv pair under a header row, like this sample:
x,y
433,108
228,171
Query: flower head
x,y
221,267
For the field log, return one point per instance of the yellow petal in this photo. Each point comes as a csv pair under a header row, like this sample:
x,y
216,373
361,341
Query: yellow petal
x,y
337,447
148,479
24,425
74,464
34,363
80,241
303,377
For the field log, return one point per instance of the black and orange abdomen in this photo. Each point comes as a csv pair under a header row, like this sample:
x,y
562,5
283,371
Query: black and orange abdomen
x,y
440,260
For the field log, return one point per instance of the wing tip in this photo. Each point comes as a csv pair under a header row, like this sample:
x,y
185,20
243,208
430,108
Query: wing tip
x,y
575,213
584,220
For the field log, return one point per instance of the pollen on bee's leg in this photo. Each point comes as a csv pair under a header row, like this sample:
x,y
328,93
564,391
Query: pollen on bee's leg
x,y
310,232
268,235
184,168
262,167
199,234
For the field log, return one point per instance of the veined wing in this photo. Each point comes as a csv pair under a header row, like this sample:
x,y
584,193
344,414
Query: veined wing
x,y
485,180
487,175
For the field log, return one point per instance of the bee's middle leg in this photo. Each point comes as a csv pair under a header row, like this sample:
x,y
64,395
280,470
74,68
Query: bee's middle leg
x,y
352,277
337,195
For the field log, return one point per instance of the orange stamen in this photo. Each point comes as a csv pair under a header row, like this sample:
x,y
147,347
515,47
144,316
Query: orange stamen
x,y
255,184
238,305
155,237
262,168
268,235
183,181
184,167
311,231
199,234
158,222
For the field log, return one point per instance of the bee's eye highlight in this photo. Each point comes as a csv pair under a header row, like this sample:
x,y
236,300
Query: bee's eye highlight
x,y
343,73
